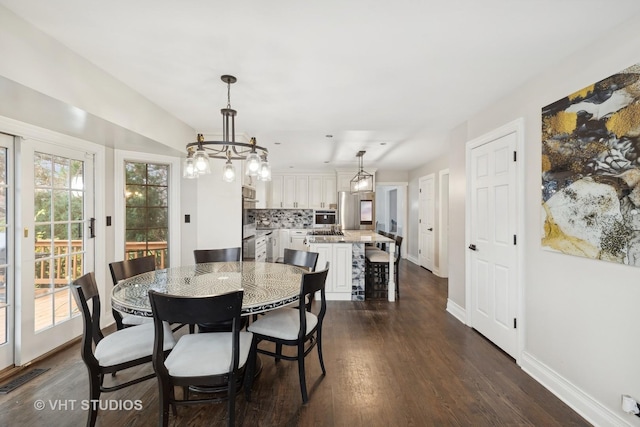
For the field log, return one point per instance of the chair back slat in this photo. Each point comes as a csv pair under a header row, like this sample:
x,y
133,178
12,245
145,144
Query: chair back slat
x,y
398,240
311,283
216,255
121,270
192,310
85,289
304,259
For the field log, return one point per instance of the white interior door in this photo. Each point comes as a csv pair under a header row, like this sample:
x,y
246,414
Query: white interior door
x,y
492,241
7,305
427,208
56,244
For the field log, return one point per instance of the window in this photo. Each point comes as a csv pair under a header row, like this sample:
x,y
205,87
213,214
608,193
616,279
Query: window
x,y
147,211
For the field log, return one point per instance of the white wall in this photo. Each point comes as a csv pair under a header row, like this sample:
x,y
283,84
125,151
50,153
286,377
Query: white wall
x,y
581,315
391,176
219,212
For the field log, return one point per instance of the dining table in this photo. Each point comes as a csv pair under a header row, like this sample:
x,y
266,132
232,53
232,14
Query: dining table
x,y
266,286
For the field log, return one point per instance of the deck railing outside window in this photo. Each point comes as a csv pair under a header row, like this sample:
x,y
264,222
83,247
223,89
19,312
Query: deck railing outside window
x,y
66,265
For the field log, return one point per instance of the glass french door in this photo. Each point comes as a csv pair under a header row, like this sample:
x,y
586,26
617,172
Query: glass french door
x,y
7,306
57,243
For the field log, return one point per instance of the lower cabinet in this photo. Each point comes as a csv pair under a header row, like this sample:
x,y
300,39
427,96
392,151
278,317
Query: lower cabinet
x,y
274,252
283,242
261,249
298,239
338,286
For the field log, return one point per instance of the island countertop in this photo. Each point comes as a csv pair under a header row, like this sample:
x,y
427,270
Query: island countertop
x,y
351,236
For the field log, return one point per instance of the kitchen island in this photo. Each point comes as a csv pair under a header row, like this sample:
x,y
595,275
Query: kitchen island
x,y
347,262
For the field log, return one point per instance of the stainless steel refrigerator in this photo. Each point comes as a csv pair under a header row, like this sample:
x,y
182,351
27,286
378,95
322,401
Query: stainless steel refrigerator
x,y
356,211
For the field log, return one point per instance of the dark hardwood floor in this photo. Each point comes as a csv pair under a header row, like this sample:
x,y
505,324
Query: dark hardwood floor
x,y
407,363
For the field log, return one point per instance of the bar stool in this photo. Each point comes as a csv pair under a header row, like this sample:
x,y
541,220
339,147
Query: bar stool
x,y
377,267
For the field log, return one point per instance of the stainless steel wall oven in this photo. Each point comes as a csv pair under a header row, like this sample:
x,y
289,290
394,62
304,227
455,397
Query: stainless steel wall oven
x,y
324,218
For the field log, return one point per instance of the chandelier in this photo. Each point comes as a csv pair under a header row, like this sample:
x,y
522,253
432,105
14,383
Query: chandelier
x,y
199,152
363,181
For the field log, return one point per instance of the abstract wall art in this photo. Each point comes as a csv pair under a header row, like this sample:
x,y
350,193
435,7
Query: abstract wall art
x,y
591,171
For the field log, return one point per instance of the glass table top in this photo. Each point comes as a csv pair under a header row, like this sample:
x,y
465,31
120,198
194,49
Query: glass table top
x,y
266,285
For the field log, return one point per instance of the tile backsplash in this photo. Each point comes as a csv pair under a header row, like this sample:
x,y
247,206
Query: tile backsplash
x,y
282,218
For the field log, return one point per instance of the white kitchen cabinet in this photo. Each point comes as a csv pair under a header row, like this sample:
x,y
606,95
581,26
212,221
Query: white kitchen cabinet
x,y
338,285
261,248
275,245
297,240
322,191
277,194
283,234
261,194
289,191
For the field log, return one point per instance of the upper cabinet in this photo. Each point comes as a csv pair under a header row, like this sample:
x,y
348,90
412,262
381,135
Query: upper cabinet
x,y
322,191
289,191
297,191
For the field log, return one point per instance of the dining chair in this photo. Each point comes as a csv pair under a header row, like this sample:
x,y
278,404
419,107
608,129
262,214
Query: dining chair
x,y
299,327
121,270
122,349
216,255
304,259
200,359
377,266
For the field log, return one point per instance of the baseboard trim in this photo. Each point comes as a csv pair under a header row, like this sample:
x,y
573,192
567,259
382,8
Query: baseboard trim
x,y
413,259
585,405
456,311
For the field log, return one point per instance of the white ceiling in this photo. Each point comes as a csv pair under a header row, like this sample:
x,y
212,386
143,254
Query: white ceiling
x,y
369,72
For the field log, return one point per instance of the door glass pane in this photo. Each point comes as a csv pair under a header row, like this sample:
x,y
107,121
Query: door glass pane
x,y
61,238
147,211
60,172
5,297
42,170
60,205
42,204
59,248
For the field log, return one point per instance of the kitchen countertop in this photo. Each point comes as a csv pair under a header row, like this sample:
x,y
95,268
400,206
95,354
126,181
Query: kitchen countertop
x,y
351,236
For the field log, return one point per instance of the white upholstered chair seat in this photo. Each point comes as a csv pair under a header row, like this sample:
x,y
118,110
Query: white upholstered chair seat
x,y
283,323
374,250
380,256
130,344
132,320
206,354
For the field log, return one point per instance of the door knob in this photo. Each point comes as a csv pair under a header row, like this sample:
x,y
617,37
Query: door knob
x,y
430,229
473,247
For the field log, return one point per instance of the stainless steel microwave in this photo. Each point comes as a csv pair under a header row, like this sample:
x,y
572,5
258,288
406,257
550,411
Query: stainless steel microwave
x,y
324,218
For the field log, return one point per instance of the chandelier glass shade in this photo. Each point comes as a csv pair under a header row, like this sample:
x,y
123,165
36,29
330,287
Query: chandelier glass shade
x,y
363,181
200,152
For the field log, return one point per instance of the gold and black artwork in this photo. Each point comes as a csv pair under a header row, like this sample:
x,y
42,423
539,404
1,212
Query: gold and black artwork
x,y
591,171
